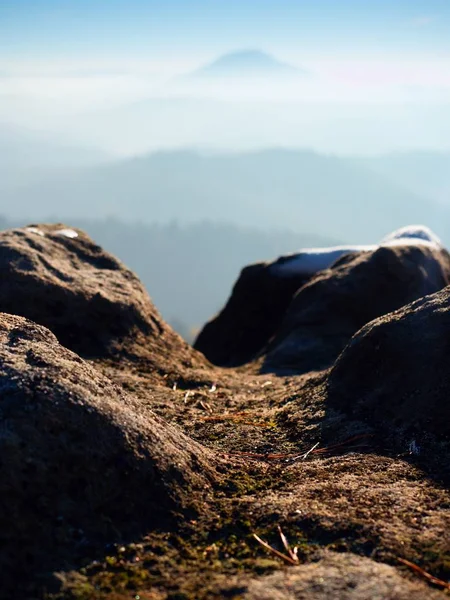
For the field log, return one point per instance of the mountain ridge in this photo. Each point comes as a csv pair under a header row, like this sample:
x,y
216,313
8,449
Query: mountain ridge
x,y
245,63
327,195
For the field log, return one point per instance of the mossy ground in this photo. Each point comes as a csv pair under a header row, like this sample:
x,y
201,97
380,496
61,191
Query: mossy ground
x,y
357,498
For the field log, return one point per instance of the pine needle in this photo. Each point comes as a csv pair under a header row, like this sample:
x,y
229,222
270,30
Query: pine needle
x,y
425,574
291,556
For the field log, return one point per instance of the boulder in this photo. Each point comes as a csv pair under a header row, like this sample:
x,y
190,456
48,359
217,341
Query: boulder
x,y
344,576
80,462
259,315
59,278
394,374
328,310
252,315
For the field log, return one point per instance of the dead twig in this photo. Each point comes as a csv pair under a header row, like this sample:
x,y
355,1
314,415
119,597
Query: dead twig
x,y
291,556
256,456
425,574
340,445
205,406
266,383
304,456
288,457
291,551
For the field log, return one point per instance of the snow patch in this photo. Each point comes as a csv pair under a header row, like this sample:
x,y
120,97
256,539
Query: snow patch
x,y
70,233
35,230
311,260
414,232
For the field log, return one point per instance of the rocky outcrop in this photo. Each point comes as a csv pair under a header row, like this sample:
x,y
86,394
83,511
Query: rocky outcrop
x,y
101,498
252,315
300,310
328,310
394,375
79,461
59,278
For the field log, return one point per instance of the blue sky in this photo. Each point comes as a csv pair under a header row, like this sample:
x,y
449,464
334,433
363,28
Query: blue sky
x,y
102,29
68,57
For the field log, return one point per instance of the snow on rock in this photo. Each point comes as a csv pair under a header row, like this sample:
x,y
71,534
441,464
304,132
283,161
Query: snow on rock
x,y
70,233
412,232
311,260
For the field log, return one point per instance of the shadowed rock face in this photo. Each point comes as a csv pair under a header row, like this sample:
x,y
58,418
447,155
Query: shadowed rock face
x,y
395,373
79,461
302,321
337,302
59,278
251,316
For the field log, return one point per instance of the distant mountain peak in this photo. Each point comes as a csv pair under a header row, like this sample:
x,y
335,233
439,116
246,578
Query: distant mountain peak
x,y
247,63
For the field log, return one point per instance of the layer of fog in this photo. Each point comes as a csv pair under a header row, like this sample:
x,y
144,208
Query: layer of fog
x,y
330,107
140,159
78,142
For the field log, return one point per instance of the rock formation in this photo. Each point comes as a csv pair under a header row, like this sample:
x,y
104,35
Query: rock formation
x,y
131,467
79,462
300,310
251,316
337,302
394,374
59,278
343,576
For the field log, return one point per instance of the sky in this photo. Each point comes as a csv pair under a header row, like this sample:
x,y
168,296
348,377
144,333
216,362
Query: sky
x,y
76,57
109,35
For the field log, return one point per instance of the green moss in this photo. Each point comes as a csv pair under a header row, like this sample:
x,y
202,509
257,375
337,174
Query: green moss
x,y
83,591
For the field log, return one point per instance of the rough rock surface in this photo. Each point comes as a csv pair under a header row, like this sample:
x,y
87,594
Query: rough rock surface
x,y
151,481
395,373
337,302
58,277
251,316
78,461
347,577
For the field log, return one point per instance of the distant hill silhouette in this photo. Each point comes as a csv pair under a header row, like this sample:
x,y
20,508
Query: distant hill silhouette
x,y
424,172
245,63
26,148
301,190
27,156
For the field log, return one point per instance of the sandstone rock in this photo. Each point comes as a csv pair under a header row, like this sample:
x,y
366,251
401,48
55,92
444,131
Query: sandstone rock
x,y
343,576
59,278
338,301
395,374
251,316
80,463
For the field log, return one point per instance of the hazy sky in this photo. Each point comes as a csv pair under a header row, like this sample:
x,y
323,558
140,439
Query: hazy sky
x,y
60,57
118,33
